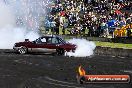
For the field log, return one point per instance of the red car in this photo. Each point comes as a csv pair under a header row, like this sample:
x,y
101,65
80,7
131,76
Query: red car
x,y
48,44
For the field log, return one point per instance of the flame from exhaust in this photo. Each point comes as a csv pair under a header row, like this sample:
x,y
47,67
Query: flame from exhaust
x,y
81,71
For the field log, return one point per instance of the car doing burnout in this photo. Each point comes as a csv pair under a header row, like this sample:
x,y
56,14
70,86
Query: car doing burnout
x,y
49,44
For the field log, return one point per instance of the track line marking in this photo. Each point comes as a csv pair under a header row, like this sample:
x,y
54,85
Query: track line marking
x,y
58,81
129,71
63,85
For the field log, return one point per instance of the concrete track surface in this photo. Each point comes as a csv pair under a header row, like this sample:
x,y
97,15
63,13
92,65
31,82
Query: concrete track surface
x,y
49,71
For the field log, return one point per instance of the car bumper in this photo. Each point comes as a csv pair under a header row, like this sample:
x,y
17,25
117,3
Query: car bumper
x,y
16,48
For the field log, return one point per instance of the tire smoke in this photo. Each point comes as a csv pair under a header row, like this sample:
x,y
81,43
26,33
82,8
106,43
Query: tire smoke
x,y
6,16
84,48
9,32
10,35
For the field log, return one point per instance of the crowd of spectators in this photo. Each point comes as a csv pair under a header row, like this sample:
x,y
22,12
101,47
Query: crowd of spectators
x,y
96,17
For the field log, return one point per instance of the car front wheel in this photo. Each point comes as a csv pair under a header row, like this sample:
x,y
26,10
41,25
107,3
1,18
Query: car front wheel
x,y
22,50
60,51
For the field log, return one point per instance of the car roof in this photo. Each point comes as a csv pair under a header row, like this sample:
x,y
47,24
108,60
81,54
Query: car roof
x,y
49,36
53,36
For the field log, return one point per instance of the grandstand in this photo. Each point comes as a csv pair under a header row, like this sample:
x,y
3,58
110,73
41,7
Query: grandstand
x,y
91,18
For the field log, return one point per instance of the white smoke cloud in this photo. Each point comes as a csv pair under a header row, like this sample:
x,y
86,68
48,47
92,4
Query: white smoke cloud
x,y
84,48
6,16
9,33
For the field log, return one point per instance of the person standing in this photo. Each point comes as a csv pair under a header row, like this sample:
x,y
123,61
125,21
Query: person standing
x,y
62,21
57,25
53,25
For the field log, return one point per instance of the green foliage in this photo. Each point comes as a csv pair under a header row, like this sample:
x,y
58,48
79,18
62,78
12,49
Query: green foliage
x,y
113,45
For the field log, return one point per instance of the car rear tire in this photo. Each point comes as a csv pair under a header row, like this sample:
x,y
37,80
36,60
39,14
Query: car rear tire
x,y
22,50
60,51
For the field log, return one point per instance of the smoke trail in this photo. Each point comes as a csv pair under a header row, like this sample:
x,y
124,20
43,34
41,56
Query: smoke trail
x,y
29,13
10,35
84,48
6,16
9,32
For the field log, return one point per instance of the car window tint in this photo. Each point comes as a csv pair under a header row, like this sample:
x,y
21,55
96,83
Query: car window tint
x,y
43,40
38,40
49,40
60,42
55,41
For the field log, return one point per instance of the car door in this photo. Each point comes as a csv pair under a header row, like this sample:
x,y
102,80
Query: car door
x,y
40,45
51,44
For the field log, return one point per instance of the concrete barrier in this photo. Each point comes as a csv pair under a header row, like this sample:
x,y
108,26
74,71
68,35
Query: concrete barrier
x,y
113,51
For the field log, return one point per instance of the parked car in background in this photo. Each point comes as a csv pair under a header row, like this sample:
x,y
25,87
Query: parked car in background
x,y
46,44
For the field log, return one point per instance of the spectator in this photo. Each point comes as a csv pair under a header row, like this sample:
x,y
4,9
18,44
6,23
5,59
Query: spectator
x,y
62,21
57,25
92,15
